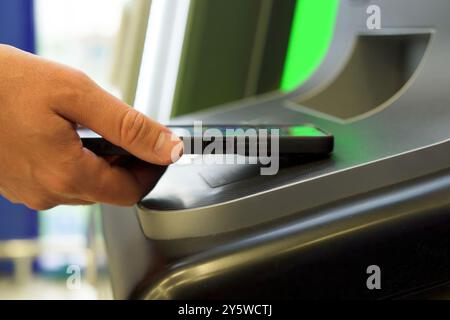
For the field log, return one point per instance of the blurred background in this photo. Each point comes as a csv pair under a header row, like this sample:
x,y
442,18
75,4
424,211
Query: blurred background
x,y
166,58
36,249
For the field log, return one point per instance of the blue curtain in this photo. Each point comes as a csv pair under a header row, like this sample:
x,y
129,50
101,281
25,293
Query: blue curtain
x,y
17,24
17,29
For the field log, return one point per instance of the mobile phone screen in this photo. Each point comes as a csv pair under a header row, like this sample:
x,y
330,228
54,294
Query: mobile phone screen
x,y
233,131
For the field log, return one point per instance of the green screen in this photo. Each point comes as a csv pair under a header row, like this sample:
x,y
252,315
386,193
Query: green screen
x,y
305,131
312,31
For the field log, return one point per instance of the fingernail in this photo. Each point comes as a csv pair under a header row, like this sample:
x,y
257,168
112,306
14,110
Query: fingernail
x,y
165,145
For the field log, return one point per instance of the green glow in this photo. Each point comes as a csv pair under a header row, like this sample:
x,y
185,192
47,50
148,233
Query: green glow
x,y
311,35
305,131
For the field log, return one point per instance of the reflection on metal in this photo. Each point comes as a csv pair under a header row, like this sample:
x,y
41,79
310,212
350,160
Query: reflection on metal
x,y
161,60
129,48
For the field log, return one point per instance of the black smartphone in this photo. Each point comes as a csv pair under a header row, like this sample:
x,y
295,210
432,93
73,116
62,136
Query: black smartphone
x,y
304,139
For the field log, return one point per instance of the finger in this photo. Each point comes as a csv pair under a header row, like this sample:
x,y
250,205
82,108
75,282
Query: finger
x,y
105,183
58,199
118,123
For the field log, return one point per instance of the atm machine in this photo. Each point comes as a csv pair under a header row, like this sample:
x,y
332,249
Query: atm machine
x,y
317,228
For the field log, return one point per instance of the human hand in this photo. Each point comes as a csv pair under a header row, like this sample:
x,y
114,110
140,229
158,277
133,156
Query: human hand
x,y
42,160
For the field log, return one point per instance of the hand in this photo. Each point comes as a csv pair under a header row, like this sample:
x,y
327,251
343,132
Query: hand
x,y
42,160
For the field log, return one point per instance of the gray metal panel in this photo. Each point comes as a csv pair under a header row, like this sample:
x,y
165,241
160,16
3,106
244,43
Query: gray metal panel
x,y
407,139
322,253
129,253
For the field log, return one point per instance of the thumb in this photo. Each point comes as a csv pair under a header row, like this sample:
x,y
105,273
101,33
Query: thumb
x,y
96,109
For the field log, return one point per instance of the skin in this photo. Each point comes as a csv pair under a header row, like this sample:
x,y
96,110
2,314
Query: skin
x,y
42,161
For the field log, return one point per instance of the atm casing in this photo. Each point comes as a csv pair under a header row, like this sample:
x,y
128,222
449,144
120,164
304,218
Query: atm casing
x,y
312,230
